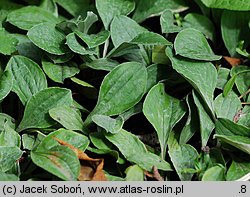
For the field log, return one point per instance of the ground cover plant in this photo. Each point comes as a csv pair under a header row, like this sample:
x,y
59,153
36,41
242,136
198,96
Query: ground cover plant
x,y
124,90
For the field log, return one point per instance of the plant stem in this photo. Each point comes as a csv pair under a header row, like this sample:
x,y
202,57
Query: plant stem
x,y
245,103
105,49
244,94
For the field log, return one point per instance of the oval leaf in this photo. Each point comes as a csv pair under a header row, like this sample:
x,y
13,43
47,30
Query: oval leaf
x,y
192,44
122,88
48,38
109,124
29,16
135,151
36,113
228,106
123,29
68,117
193,72
110,8
163,112
8,42
60,161
28,77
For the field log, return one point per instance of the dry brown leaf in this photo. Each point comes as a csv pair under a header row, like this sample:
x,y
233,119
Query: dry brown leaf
x,y
91,169
155,175
233,61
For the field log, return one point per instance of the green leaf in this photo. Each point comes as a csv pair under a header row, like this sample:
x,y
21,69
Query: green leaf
x,y
75,139
244,120
110,152
28,77
75,7
193,72
113,178
29,16
81,83
228,106
90,19
150,38
111,125
192,125
108,9
9,137
163,114
156,73
240,142
215,173
76,47
26,48
8,177
192,44
48,38
59,59
238,170
36,113
50,6
132,111
201,23
134,173
9,5
223,77
93,40
68,117
102,64
228,127
6,83
135,151
8,157
8,42
104,146
167,23
124,29
60,72
28,141
60,161
242,5
126,79
234,28
6,120
183,157
242,80
229,85
156,7
206,123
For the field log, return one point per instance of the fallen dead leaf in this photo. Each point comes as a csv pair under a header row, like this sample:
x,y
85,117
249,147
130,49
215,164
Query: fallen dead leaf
x,y
91,169
233,61
155,175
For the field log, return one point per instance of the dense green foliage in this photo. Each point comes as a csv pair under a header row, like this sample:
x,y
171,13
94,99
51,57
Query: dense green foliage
x,y
143,85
